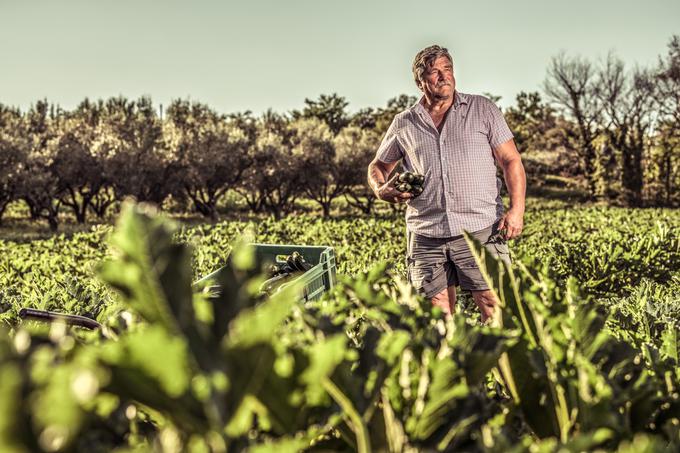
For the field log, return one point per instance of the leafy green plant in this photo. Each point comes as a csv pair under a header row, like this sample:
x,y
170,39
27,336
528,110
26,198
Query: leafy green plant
x,y
369,367
566,374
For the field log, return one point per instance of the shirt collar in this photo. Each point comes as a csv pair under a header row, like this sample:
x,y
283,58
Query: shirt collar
x,y
458,99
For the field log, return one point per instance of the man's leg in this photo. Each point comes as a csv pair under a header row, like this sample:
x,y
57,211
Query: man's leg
x,y
446,299
469,274
428,271
486,301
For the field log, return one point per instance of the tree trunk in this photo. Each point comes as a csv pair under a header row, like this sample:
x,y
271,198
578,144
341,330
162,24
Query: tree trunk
x,y
205,202
631,148
79,208
275,211
667,182
326,209
3,206
32,209
253,200
589,169
52,221
205,208
101,201
356,202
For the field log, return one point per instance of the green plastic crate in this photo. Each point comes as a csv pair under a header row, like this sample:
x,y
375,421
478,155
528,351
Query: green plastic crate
x,y
319,279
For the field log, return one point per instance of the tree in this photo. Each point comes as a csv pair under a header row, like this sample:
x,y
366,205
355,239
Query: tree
x,y
271,183
663,168
668,77
665,161
628,102
130,141
211,153
533,123
38,185
321,172
355,148
572,84
385,115
12,155
246,122
364,118
331,109
276,123
77,167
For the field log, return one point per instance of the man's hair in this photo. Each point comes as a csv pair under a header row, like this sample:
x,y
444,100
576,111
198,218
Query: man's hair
x,y
425,58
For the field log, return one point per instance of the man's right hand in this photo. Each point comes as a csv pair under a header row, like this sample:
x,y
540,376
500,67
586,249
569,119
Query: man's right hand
x,y
387,192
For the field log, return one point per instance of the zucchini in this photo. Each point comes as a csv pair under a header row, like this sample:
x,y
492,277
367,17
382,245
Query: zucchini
x,y
403,187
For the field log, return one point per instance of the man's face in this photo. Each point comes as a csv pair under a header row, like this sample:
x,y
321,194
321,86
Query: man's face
x,y
438,81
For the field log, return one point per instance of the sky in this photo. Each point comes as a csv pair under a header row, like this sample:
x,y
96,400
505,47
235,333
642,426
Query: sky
x,y
260,54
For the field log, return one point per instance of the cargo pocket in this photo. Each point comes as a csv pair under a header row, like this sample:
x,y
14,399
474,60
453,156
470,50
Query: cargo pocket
x,y
424,278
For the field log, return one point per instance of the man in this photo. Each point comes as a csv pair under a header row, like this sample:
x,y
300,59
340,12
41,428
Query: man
x,y
455,140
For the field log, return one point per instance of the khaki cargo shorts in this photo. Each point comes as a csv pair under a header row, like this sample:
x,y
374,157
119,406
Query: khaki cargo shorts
x,y
434,264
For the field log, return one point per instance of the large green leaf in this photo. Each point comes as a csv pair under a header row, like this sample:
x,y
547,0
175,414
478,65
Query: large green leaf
x,y
152,273
523,367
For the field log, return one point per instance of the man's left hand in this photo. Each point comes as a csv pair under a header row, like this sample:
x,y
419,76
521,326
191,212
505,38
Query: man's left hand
x,y
511,224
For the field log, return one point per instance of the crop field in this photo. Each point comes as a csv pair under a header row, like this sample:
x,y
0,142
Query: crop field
x,y
587,357
203,246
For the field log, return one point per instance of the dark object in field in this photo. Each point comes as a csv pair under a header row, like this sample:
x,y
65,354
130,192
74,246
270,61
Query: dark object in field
x,y
292,263
293,266
51,316
319,278
410,182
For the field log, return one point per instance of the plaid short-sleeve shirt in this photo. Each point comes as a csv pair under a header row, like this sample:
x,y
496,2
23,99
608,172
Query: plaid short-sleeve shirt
x,y
461,189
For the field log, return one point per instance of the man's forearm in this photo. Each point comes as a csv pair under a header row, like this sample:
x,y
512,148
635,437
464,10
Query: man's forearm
x,y
515,180
376,178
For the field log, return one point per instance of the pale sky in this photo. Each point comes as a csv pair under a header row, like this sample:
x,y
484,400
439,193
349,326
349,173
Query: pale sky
x,y
257,54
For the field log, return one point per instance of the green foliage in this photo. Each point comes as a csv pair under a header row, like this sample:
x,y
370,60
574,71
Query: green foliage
x,y
321,171
210,153
534,123
607,250
565,373
331,109
369,367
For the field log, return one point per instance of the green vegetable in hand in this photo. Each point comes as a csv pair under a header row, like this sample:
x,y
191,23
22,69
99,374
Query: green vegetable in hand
x,y
406,177
404,187
410,182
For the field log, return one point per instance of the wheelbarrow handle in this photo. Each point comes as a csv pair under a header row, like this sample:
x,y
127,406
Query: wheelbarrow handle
x,y
51,316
